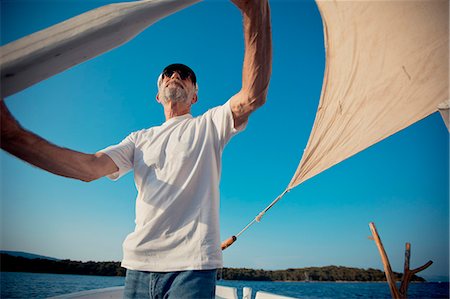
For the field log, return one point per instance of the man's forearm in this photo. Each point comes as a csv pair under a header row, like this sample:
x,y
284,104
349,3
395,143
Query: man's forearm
x,y
257,65
39,152
35,150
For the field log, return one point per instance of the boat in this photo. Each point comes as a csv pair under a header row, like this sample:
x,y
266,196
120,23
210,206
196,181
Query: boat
x,y
222,292
365,97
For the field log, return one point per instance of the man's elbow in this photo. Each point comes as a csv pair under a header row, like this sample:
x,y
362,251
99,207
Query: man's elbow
x,y
93,170
88,179
257,101
261,100
96,172
258,96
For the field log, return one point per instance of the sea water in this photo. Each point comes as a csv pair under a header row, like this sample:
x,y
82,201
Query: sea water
x,y
38,285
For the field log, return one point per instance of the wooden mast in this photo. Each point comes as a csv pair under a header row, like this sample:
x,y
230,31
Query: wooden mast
x,y
407,274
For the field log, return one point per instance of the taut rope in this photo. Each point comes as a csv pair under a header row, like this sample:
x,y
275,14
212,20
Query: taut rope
x,y
227,243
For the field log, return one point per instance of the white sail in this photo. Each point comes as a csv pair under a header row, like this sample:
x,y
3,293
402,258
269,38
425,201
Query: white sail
x,y
48,52
387,67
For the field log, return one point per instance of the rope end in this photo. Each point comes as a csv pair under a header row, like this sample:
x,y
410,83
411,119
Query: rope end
x,y
258,218
227,243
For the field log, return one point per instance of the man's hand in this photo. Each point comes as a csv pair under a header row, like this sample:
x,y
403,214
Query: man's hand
x,y
41,153
9,126
257,65
248,5
242,4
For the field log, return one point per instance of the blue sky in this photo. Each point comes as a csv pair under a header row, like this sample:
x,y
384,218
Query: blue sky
x,y
400,183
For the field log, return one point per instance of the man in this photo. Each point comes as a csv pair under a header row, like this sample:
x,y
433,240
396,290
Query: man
x,y
175,249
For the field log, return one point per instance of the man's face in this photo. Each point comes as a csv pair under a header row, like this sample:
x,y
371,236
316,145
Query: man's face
x,y
176,86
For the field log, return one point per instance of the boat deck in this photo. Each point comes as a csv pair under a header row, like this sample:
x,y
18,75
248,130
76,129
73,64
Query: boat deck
x,y
222,292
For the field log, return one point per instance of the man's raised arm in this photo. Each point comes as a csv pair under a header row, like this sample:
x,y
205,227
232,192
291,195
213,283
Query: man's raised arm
x,y
257,66
41,153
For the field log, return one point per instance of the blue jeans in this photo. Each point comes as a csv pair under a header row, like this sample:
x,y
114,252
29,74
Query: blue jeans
x,y
193,284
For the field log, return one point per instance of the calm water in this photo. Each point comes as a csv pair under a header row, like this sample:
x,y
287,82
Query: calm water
x,y
37,285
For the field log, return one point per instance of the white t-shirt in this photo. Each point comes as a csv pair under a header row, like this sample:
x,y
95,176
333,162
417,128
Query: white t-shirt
x,y
177,170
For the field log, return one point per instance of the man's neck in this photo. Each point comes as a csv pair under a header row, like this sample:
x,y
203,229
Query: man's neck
x,y
174,109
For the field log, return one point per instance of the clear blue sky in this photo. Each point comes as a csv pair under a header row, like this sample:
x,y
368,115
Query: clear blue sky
x,y
401,183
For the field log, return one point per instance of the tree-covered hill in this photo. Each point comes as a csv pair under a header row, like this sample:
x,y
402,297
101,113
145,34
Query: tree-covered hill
x,y
328,273
10,263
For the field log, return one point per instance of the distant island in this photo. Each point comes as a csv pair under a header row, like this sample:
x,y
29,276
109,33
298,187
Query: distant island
x,y
10,263
28,255
312,274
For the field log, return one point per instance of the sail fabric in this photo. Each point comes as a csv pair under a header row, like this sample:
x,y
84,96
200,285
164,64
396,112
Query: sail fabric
x,y
386,68
48,52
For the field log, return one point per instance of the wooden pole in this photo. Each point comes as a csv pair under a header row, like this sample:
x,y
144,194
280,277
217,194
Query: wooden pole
x,y
407,273
404,285
387,266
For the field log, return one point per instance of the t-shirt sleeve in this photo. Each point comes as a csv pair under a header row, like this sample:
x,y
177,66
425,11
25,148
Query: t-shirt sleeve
x,y
123,155
222,117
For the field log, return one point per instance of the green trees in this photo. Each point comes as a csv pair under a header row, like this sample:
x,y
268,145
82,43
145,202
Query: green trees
x,y
10,263
329,273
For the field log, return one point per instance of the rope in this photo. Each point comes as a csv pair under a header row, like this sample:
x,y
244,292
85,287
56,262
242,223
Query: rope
x,y
259,216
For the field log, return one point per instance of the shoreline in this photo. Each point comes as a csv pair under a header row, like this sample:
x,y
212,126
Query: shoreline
x,y
235,280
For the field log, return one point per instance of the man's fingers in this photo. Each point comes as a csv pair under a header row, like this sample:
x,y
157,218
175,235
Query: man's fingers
x,y
241,4
248,5
9,125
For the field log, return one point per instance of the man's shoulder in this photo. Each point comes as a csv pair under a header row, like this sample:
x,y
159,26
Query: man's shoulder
x,y
145,132
214,110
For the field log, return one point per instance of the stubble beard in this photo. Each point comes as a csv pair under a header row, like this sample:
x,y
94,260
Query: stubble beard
x,y
174,93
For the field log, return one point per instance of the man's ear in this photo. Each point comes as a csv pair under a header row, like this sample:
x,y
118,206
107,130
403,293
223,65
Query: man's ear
x,y
194,99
